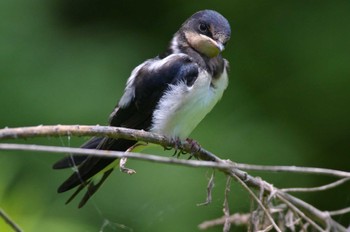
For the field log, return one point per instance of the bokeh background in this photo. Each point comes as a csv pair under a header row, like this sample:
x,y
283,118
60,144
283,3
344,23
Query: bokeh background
x,y
66,62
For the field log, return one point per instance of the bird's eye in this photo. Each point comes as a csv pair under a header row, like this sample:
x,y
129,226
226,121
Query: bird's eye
x,y
203,28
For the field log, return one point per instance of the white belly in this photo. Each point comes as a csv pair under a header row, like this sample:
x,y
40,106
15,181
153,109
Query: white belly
x,y
182,108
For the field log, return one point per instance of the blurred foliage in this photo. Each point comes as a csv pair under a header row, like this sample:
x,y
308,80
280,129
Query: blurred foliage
x,y
66,62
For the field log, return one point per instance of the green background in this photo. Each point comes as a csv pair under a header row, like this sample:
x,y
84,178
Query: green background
x,y
66,62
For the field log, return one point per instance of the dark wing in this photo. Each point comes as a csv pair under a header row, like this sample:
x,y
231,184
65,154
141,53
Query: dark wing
x,y
146,85
149,84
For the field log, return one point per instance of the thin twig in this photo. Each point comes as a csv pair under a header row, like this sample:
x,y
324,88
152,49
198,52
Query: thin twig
x,y
9,221
320,188
268,228
339,212
300,213
226,209
210,187
237,219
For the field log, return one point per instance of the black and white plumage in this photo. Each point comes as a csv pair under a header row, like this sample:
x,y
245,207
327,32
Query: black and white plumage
x,y
169,94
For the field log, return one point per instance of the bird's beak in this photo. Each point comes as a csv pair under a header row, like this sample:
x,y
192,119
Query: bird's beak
x,y
220,46
204,44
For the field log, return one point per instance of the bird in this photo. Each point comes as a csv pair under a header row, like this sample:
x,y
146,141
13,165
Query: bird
x,y
168,94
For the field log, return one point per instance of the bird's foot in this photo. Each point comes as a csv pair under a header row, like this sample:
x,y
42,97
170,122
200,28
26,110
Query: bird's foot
x,y
195,147
174,144
124,169
178,146
123,161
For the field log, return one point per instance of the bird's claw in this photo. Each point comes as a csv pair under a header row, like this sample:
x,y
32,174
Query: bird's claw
x,y
178,145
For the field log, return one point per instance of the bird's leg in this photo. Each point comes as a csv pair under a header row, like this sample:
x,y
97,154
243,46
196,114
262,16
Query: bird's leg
x,y
195,147
123,161
125,169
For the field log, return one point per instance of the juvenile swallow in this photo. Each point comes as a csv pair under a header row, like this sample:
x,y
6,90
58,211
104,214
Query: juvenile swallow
x,y
169,95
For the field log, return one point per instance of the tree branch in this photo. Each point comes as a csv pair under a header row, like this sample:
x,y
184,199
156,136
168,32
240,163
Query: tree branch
x,y
226,166
116,154
108,131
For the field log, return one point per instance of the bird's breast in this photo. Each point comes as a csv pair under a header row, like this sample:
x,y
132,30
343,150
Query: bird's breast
x,y
182,107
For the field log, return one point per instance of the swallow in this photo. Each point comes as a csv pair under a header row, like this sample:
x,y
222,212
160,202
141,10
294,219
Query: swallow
x,y
169,95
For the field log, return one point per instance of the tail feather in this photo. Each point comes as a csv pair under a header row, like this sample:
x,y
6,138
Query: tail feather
x,y
92,188
81,187
89,166
87,170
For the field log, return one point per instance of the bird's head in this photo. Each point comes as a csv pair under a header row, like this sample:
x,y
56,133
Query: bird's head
x,y
207,32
